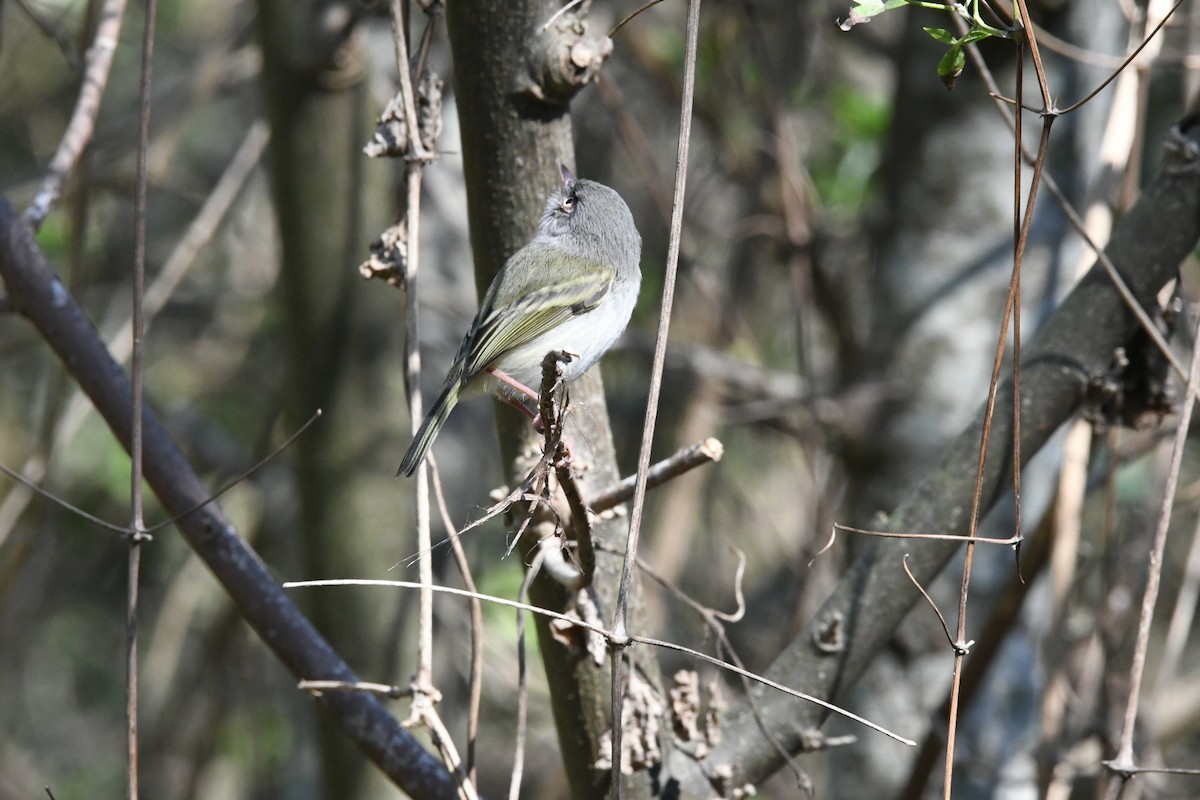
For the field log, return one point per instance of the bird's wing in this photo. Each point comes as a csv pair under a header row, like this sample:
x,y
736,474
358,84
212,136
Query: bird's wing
x,y
506,326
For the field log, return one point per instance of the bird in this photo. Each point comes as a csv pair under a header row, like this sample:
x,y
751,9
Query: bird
x,y
573,287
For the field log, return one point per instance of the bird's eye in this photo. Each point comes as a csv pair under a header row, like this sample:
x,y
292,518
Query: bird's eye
x,y
568,203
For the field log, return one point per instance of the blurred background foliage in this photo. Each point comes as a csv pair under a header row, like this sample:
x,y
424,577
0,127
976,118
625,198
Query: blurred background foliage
x,y
846,246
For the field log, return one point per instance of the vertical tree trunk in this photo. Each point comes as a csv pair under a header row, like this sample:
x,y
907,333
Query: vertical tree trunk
x,y
313,70
512,146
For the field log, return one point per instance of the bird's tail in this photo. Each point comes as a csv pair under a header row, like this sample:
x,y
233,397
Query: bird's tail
x,y
429,428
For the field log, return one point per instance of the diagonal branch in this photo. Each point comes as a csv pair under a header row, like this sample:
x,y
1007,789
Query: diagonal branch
x,y
37,294
1077,343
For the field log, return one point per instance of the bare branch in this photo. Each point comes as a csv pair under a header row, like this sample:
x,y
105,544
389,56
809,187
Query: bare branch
x,y
83,120
38,295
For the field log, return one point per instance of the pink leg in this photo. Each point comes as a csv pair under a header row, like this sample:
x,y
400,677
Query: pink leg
x,y
513,382
517,404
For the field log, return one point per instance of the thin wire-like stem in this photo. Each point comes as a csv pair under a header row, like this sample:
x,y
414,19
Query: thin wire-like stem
x,y
475,692
1123,764
933,605
407,95
514,786
1128,60
1080,226
36,488
1183,616
610,636
137,526
1012,310
631,15
620,625
620,621
1035,56
412,182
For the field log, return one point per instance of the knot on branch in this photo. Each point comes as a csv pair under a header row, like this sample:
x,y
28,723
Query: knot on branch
x,y
565,59
829,636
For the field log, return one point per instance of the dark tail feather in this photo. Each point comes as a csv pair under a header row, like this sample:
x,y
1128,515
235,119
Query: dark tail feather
x,y
429,429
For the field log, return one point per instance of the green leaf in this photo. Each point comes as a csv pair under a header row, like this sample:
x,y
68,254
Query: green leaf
x,y
951,66
974,35
941,34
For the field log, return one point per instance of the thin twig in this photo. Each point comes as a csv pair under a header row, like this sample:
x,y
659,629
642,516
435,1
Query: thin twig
x,y
937,611
445,744
1035,56
1183,616
672,268
935,537
137,525
262,462
422,709
385,689
475,691
556,456
705,612
610,636
83,119
33,486
36,488
1123,764
1147,324
630,16
620,622
408,95
714,619
1011,310
204,225
514,786
1129,60
681,461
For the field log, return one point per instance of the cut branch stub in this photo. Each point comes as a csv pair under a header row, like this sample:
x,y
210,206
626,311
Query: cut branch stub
x,y
564,59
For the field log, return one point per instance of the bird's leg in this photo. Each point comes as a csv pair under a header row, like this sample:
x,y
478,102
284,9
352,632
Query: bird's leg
x,y
509,380
504,377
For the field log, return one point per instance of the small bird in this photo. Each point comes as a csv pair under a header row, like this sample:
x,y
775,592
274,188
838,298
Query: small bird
x,y
573,288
